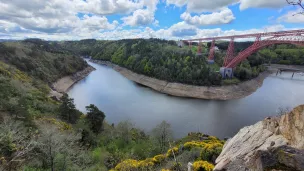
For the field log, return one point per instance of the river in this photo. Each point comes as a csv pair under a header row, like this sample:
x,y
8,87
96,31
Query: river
x,y
121,99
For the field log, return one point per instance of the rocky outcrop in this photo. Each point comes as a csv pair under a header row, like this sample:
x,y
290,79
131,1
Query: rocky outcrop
x,y
281,137
238,91
283,158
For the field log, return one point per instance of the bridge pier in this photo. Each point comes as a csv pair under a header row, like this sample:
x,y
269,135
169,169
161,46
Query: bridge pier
x,y
210,61
226,72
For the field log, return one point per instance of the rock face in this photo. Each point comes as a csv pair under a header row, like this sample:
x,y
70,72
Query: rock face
x,y
280,137
283,158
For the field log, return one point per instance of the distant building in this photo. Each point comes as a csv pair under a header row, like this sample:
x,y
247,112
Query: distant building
x,y
180,43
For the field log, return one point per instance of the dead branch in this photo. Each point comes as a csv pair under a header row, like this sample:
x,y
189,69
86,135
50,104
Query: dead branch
x,y
296,3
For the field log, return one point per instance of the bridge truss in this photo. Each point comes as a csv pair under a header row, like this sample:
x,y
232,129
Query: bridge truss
x,y
262,40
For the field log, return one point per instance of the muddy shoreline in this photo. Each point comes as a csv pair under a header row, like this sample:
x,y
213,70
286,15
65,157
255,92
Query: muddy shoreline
x,y
228,92
64,84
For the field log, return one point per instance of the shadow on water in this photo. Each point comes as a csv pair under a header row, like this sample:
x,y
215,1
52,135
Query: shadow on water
x,y
122,99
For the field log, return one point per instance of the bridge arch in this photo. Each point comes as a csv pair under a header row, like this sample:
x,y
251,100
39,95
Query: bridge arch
x,y
259,44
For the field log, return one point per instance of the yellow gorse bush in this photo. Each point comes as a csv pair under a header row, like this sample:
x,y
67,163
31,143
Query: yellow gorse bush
x,y
208,145
159,158
128,164
8,71
134,165
170,153
60,124
202,165
201,144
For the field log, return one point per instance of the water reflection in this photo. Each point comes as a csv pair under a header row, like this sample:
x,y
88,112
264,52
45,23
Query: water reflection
x,y
122,99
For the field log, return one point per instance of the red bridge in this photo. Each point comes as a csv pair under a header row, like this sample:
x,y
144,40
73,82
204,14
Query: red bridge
x,y
262,40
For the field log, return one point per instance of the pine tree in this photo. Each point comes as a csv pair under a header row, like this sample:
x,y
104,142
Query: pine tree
x,y
67,110
95,118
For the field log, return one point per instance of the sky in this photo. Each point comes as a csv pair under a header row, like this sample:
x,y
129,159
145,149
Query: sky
x,y
125,19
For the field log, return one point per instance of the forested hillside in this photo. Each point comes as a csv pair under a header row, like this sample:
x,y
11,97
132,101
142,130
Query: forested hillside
x,y
38,133
41,59
166,61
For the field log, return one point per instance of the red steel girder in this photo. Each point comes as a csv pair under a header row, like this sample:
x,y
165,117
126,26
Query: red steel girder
x,y
211,52
199,48
267,34
258,44
295,37
230,53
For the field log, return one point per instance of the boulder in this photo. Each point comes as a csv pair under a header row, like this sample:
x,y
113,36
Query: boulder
x,y
241,151
279,158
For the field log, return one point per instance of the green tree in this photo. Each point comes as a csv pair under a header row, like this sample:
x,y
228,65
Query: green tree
x,y
67,110
95,118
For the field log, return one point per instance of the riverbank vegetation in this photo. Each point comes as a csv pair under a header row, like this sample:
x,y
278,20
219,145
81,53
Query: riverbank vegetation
x,y
156,58
39,133
164,60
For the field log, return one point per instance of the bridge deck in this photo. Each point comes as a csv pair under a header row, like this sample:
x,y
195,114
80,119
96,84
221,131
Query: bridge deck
x,y
290,69
280,70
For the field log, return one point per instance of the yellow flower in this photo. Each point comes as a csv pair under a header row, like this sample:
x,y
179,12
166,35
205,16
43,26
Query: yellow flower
x,y
170,153
159,158
202,165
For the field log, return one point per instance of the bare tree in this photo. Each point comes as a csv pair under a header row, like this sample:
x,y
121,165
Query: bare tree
x,y
124,130
53,142
15,143
162,133
296,3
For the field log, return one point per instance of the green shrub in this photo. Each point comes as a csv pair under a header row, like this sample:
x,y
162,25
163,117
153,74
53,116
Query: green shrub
x,y
230,81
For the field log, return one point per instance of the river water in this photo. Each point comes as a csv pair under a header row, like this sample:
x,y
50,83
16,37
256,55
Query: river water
x,y
122,100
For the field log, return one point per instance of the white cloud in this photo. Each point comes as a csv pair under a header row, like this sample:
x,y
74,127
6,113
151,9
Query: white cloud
x,y
178,3
58,20
139,18
177,31
182,29
57,16
199,6
142,17
97,23
104,7
223,17
262,4
292,17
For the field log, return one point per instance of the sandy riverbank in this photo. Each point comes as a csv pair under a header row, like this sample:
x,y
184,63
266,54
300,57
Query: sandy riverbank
x,y
229,92
62,85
